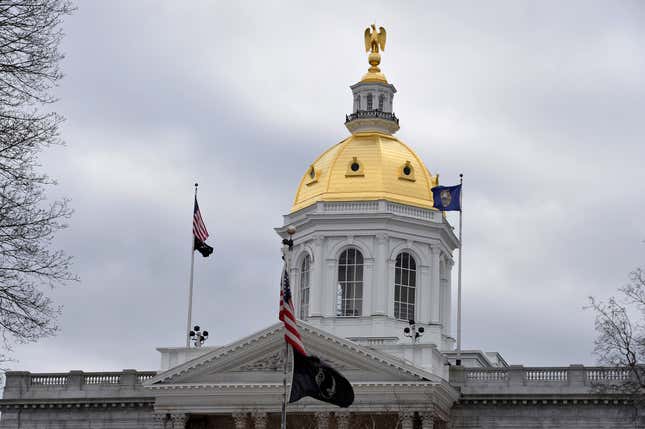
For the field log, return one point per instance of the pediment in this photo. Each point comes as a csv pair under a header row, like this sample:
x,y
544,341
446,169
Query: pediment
x,y
259,359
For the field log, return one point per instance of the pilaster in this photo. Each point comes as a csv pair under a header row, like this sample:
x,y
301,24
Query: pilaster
x,y
379,290
407,419
322,419
317,278
179,420
328,292
423,294
435,283
427,420
260,420
342,420
159,421
240,420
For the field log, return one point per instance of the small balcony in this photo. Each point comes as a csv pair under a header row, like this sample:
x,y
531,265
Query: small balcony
x,y
371,114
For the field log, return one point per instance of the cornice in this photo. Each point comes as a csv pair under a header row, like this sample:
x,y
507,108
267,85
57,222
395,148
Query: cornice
x,y
76,403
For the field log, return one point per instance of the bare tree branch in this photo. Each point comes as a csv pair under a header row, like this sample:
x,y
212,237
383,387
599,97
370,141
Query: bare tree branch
x,y
30,34
621,338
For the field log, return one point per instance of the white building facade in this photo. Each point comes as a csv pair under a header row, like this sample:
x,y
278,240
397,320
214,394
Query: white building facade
x,y
371,257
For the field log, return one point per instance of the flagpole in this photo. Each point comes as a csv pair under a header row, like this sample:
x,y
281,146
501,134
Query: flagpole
x,y
190,282
287,245
461,210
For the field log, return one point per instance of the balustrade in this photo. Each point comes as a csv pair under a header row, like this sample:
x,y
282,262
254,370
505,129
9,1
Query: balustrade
x,y
49,379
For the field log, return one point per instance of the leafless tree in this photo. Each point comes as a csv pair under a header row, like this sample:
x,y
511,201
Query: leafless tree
x,y
30,34
620,323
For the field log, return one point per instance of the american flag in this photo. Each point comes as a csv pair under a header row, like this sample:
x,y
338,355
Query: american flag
x,y
291,334
199,229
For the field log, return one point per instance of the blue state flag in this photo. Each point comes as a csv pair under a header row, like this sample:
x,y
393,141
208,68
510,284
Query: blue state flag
x,y
447,198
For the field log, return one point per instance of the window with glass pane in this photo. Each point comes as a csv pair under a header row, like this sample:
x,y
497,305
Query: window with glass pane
x,y
405,279
349,293
304,287
381,100
369,102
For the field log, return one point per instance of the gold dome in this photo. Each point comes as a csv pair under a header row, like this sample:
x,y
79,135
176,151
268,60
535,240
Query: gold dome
x,y
365,167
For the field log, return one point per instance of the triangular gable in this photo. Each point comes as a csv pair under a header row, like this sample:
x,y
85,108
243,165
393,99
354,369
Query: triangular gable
x,y
258,359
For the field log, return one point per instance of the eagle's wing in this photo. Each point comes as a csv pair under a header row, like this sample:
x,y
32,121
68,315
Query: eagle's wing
x,y
382,35
367,40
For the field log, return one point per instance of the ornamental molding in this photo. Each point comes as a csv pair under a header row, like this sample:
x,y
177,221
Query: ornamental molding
x,y
543,402
75,404
274,362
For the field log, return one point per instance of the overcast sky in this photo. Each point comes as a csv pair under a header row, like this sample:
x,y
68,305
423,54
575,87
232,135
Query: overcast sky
x,y
540,104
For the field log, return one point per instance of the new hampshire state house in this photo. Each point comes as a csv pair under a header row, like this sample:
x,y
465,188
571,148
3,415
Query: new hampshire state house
x,y
371,273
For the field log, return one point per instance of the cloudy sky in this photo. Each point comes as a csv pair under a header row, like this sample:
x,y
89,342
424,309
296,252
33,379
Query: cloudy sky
x,y
540,104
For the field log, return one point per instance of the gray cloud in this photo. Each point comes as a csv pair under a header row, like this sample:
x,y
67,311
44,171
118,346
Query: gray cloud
x,y
539,105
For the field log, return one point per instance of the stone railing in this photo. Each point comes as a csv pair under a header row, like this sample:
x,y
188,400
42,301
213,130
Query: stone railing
x,y
518,379
26,385
370,114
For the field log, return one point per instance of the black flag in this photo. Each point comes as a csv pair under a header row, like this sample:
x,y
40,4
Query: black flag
x,y
312,377
202,247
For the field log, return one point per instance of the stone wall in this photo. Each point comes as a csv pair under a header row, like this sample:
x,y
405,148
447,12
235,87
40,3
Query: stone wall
x,y
561,397
77,399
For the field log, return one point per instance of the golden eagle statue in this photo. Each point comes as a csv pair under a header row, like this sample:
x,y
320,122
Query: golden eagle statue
x,y
374,39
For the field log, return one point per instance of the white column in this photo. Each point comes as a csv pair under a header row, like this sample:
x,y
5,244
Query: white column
x,y
328,290
407,419
424,293
369,278
427,421
240,420
444,311
449,266
179,420
260,420
317,279
294,279
342,420
435,284
389,290
159,421
322,418
379,290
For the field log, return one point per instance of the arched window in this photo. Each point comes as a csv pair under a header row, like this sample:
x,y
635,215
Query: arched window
x,y
304,287
349,293
369,102
405,280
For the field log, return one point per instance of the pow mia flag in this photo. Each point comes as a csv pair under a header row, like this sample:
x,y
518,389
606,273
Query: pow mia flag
x,y
312,377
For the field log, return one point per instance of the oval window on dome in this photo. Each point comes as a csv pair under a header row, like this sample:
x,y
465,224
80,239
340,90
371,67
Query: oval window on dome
x,y
407,172
354,168
312,175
